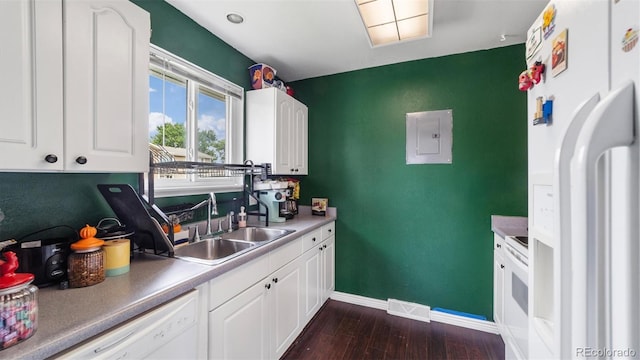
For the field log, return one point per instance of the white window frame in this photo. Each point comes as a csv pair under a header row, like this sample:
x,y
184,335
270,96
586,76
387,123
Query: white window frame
x,y
162,60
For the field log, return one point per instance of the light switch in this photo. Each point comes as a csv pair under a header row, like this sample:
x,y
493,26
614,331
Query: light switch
x,y
429,137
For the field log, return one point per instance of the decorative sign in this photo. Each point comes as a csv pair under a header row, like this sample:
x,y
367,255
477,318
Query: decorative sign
x,y
534,42
319,206
559,53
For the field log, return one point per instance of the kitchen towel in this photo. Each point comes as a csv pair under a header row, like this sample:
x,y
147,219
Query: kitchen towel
x,y
116,260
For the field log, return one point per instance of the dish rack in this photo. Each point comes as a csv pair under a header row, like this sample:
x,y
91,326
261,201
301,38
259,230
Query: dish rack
x,y
164,164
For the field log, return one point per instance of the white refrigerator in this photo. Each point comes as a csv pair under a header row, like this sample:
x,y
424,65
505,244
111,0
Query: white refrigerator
x,y
583,163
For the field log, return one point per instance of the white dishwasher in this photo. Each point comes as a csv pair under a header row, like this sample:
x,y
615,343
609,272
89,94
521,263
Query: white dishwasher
x,y
166,332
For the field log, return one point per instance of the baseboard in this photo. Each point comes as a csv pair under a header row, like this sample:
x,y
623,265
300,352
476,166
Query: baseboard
x,y
438,316
462,321
359,300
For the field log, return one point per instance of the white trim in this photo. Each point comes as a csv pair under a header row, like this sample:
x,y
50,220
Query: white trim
x,y
359,300
438,316
463,321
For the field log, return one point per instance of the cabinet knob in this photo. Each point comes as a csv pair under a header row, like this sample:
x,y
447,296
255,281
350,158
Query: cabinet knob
x,y
297,170
81,160
501,266
329,230
314,239
320,248
498,245
275,280
50,158
268,286
292,170
324,246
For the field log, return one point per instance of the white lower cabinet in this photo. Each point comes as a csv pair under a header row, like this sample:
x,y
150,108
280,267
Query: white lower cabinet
x,y
286,304
263,320
328,267
319,272
312,299
238,328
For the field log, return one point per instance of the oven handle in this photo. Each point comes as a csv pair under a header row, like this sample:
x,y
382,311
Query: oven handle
x,y
517,259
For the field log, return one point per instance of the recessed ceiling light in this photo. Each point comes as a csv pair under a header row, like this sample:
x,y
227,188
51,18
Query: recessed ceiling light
x,y
389,21
235,18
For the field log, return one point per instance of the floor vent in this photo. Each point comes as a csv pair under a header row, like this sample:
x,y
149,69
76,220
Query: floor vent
x,y
409,310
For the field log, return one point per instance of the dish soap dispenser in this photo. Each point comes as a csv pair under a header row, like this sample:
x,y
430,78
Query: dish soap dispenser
x,y
242,218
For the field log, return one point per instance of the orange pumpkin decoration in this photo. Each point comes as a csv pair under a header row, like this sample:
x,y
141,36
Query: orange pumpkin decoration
x,y
88,232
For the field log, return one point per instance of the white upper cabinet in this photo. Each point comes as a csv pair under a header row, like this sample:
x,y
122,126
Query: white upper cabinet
x,y
100,123
31,119
106,56
277,131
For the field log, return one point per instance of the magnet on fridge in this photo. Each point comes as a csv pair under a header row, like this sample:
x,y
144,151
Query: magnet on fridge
x,y
559,53
629,40
544,111
524,81
547,111
536,72
534,42
548,21
537,117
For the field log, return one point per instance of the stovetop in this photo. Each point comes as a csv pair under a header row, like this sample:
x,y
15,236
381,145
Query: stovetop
x,y
523,240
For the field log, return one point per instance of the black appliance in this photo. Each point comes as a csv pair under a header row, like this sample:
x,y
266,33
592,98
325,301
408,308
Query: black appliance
x,y
44,257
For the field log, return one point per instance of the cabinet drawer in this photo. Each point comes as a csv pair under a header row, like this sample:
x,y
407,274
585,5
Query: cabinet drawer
x,y
285,254
311,239
230,284
328,230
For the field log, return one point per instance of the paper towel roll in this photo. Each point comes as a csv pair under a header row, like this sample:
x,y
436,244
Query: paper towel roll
x,y
116,257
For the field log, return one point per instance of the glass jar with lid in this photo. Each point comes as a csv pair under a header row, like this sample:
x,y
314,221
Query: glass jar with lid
x,y
18,303
86,263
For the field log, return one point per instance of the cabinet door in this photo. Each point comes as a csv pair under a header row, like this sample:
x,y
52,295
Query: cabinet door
x,y
328,267
498,289
31,91
238,328
106,52
284,133
300,138
312,282
286,297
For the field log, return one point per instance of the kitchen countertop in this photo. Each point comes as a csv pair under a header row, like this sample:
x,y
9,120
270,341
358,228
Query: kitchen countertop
x,y
68,317
509,225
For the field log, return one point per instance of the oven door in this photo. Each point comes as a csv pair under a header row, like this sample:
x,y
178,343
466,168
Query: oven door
x,y
516,302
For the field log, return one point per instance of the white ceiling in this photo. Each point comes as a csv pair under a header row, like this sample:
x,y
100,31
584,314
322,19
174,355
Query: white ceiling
x,y
308,38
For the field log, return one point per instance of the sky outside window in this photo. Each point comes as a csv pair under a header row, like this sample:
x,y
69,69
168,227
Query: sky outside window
x,y
210,116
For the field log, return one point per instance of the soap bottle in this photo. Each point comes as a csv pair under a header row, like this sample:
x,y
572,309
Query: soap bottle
x,y
242,218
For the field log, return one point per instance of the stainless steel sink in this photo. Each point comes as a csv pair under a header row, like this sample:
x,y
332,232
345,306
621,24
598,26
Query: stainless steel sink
x,y
218,249
256,234
213,251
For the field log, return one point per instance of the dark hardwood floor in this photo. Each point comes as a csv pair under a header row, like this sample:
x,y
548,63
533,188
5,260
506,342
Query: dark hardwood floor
x,y
346,331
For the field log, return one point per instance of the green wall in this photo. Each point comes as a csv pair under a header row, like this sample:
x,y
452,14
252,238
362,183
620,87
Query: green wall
x,y
33,201
419,233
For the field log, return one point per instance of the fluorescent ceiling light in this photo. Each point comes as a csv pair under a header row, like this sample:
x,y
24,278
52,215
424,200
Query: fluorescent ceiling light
x,y
389,21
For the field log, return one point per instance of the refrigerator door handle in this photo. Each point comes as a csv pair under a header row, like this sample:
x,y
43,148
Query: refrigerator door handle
x,y
609,125
562,248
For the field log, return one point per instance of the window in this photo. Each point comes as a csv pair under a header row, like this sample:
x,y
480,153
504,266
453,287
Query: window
x,y
194,115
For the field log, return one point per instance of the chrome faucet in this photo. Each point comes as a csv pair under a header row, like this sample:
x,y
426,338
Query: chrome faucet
x,y
212,209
